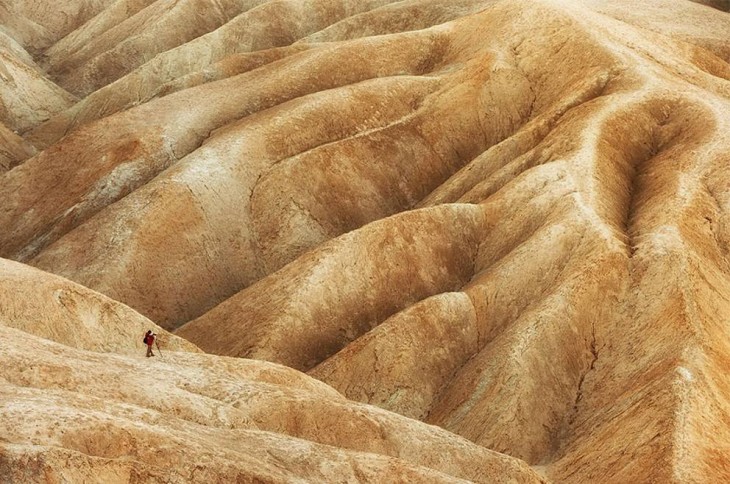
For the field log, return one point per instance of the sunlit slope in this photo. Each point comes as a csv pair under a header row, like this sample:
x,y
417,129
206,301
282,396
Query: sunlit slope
x,y
504,218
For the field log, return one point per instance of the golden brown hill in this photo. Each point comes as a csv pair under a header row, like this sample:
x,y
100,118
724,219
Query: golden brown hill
x,y
39,25
27,97
76,416
13,149
506,218
55,308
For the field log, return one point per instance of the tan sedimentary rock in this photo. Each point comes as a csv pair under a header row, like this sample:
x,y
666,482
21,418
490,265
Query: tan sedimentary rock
x,y
11,46
27,98
504,218
55,308
38,25
699,27
13,149
614,177
233,183
79,415
408,117
270,25
122,39
146,83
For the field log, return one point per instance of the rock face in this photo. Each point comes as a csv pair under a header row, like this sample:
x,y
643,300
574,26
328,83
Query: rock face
x,y
13,149
505,218
74,416
27,97
55,308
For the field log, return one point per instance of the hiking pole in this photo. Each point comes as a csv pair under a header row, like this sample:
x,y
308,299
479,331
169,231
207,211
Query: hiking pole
x,y
158,347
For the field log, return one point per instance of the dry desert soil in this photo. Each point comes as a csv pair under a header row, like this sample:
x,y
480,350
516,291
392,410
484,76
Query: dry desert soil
x,y
379,240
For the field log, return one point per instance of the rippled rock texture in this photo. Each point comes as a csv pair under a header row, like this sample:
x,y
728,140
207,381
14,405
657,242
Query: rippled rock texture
x,y
509,219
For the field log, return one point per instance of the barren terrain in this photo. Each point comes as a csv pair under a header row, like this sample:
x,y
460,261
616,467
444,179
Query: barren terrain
x,y
380,240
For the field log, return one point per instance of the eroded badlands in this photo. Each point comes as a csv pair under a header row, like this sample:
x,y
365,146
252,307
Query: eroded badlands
x,y
415,241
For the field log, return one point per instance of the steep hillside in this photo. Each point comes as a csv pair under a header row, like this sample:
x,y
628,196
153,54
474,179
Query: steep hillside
x,y
504,218
52,307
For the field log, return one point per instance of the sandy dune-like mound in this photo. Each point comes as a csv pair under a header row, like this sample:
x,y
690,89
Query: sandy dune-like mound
x,y
55,308
74,415
504,218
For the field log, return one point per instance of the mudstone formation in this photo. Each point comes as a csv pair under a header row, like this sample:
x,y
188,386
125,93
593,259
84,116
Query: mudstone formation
x,y
380,240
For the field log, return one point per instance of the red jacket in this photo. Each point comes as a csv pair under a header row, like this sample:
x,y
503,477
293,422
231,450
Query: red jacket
x,y
149,339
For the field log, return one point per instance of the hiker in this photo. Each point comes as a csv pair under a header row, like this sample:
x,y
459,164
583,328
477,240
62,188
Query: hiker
x,y
149,340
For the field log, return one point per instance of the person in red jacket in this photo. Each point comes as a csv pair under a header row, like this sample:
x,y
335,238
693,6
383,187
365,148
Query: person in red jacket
x,y
149,340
